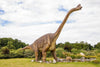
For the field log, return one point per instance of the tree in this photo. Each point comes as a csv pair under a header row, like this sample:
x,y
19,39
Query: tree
x,y
97,45
10,45
60,45
68,47
18,44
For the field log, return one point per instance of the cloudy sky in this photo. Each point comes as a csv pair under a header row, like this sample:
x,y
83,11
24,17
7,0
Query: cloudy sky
x,y
27,20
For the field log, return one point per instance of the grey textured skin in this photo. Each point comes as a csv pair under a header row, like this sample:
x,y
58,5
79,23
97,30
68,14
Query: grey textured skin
x,y
48,41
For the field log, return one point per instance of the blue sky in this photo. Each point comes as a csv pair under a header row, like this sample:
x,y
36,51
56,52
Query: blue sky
x,y
4,22
27,20
2,12
20,2
61,8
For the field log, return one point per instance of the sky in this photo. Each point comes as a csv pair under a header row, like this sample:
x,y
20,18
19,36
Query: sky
x,y
27,20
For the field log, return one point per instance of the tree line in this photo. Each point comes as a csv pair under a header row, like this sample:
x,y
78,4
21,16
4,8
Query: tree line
x,y
16,44
10,48
12,43
81,45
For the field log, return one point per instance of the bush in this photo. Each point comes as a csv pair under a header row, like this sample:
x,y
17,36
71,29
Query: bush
x,y
13,54
73,56
88,57
6,56
90,54
59,52
75,51
67,53
19,53
28,53
5,50
84,51
78,56
97,51
96,61
49,54
98,55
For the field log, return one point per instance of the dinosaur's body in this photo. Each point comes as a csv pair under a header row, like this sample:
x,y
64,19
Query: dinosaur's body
x,y
48,41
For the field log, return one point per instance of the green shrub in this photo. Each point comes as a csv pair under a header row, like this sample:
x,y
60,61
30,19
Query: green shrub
x,y
73,56
19,53
28,53
88,57
5,50
12,53
98,55
96,61
1,56
84,51
49,54
4,56
97,51
78,56
90,54
75,51
59,52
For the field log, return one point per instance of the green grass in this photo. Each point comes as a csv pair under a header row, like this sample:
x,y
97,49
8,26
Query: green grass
x,y
26,62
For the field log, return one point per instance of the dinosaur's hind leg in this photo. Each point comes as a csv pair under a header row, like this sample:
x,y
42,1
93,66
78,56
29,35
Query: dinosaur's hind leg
x,y
44,52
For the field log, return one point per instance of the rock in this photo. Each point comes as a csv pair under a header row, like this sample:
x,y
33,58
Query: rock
x,y
54,61
82,54
50,61
82,59
40,61
32,60
68,59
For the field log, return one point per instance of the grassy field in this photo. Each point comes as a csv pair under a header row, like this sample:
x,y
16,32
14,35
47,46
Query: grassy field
x,y
26,62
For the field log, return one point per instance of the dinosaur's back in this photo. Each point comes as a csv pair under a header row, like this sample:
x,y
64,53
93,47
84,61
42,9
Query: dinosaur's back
x,y
43,40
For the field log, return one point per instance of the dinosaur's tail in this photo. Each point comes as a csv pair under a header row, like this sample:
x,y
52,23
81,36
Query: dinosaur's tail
x,y
27,47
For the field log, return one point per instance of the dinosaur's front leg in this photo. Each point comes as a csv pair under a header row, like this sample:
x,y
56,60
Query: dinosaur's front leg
x,y
45,49
44,52
54,55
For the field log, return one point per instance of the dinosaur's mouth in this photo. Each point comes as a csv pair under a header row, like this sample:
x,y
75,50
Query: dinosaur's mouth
x,y
78,7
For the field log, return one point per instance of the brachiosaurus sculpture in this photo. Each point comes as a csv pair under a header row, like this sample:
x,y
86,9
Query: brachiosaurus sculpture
x,y
48,41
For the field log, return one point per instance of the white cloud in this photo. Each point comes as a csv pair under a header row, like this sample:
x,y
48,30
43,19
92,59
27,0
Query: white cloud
x,y
34,18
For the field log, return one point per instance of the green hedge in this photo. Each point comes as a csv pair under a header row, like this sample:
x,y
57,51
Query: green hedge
x,y
17,54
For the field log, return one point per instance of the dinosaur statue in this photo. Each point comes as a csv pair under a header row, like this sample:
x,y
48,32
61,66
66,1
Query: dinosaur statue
x,y
48,41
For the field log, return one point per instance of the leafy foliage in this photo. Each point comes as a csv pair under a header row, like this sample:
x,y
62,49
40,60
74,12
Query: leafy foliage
x,y
69,46
10,48
5,50
59,52
97,45
11,43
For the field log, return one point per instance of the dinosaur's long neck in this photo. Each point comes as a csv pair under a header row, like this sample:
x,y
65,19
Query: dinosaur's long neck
x,y
62,24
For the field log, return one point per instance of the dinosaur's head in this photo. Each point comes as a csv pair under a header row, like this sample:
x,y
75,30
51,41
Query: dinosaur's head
x,y
79,7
